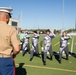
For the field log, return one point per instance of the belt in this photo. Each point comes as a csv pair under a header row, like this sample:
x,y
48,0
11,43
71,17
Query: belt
x,y
4,56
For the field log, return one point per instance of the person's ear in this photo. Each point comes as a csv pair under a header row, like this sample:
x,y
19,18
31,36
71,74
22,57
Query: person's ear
x,y
7,20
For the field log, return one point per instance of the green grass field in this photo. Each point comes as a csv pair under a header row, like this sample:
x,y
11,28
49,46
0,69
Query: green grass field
x,y
36,67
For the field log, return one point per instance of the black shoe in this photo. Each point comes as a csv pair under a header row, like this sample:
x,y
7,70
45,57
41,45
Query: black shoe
x,y
38,55
67,59
31,59
24,53
60,61
44,63
51,58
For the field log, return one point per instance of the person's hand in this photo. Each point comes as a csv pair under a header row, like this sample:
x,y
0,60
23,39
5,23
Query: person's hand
x,y
25,49
14,56
42,48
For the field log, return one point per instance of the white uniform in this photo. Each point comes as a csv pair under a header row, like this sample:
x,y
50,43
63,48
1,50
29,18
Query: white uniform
x,y
64,46
26,45
34,45
48,46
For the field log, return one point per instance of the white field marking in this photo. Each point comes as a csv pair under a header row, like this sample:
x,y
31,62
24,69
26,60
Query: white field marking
x,y
40,67
56,44
72,44
30,44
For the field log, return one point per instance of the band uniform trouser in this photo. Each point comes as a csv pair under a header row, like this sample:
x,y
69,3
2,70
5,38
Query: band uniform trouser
x,y
65,49
26,48
47,49
6,66
37,51
34,51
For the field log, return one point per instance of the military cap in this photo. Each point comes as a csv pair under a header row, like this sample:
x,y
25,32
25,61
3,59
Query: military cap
x,y
5,9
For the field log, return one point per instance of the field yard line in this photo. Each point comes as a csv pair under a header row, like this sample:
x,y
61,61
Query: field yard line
x,y
56,44
66,70
72,44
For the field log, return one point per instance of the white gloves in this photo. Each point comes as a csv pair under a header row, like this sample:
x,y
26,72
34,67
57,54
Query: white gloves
x,y
25,48
42,48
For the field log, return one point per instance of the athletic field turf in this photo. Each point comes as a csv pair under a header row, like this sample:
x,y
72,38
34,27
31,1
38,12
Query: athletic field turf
x,y
36,67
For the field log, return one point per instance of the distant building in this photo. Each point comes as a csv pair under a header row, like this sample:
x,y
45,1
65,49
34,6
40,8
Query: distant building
x,y
13,22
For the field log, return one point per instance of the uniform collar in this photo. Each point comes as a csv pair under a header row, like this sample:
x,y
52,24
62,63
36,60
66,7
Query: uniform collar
x,y
2,22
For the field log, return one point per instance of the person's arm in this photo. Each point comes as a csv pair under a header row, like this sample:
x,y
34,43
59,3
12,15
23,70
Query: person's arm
x,y
15,42
33,42
42,42
38,36
52,36
23,40
67,37
60,42
16,49
29,36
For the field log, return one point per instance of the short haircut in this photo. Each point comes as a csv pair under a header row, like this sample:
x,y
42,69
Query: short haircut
x,y
35,31
48,30
64,32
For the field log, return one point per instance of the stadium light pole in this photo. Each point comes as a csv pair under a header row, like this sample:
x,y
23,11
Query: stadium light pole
x,y
75,23
62,16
